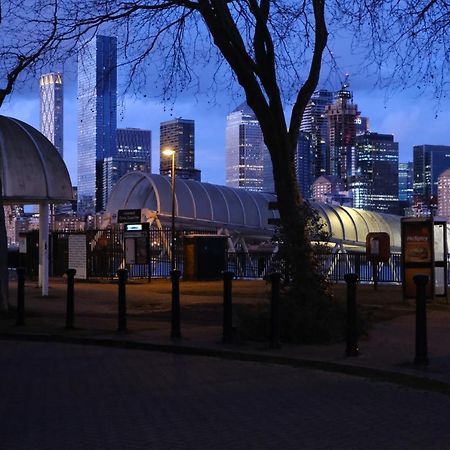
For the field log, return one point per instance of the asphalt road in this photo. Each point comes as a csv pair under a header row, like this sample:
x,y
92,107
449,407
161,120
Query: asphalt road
x,y
63,397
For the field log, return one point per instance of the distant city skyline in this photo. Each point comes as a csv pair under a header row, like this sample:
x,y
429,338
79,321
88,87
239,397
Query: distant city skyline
x,y
411,119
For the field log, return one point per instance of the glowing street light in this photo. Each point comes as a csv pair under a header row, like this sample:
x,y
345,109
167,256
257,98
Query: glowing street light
x,y
171,153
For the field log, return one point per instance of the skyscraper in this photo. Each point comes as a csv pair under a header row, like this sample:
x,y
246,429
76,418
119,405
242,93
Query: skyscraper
x,y
405,183
134,148
178,135
375,184
444,195
315,122
244,157
342,134
97,118
429,161
304,163
52,108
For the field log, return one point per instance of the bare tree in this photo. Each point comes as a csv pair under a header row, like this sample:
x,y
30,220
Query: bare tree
x,y
273,48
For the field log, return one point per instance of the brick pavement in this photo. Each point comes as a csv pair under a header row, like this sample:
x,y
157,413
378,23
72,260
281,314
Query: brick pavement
x,y
390,349
61,396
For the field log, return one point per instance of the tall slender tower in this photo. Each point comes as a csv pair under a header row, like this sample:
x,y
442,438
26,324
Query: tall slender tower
x,y
315,123
244,150
52,110
342,134
178,135
97,118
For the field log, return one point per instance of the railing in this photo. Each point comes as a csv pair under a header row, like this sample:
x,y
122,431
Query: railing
x,y
105,256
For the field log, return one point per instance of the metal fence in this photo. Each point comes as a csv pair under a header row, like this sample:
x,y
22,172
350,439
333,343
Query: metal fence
x,y
105,255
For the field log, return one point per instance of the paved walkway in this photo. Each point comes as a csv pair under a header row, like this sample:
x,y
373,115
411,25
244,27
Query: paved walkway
x,y
60,396
386,355
156,394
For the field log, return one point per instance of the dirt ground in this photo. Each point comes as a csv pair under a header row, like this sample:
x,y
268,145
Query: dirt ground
x,y
143,298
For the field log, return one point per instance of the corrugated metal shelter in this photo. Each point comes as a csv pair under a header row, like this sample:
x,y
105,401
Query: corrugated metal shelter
x,y
207,205
32,172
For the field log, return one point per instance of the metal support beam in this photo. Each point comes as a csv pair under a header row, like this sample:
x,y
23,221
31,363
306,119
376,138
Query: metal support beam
x,y
43,247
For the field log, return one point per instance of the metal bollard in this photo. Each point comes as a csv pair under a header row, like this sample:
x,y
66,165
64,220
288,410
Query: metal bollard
x,y
352,331
70,308
175,322
421,358
275,310
227,308
122,312
20,318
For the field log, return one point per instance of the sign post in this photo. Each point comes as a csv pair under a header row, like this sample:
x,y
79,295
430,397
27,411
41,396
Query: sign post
x,y
378,249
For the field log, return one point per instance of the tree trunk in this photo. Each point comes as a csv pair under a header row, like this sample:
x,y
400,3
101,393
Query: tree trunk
x,y
294,216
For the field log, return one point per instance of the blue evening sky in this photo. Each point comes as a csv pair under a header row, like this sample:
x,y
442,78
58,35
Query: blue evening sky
x,y
413,120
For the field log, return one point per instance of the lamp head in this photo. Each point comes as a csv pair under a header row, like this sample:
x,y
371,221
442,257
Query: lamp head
x,y
168,152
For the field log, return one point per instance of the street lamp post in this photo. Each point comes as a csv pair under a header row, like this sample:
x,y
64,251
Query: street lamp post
x,y
174,274
170,152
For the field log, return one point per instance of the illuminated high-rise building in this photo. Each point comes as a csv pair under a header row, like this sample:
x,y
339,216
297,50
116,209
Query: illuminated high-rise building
x,y
342,116
52,108
375,184
178,135
405,184
245,150
97,118
304,163
134,148
429,161
315,123
443,195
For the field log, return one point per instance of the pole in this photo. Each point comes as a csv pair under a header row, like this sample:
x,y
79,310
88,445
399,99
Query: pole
x,y
149,257
20,318
421,358
227,308
70,309
175,323
275,310
122,311
375,274
352,332
173,213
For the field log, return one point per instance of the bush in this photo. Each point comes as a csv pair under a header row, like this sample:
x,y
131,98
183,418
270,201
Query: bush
x,y
318,321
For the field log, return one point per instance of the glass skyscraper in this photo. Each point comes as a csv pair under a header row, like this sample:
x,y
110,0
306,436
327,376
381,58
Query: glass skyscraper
x,y
342,135
178,135
405,182
134,148
97,118
304,163
375,184
244,150
315,122
429,161
52,108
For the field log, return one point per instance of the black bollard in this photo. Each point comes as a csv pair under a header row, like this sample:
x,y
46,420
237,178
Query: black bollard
x,y
227,308
275,310
421,358
20,319
122,312
175,322
70,308
352,330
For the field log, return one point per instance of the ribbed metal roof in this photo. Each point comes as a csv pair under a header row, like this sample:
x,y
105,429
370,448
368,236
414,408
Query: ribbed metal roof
x,y
208,205
32,171
197,204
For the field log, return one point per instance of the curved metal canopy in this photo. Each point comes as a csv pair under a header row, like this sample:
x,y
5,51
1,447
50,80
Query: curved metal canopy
x,y
31,169
212,206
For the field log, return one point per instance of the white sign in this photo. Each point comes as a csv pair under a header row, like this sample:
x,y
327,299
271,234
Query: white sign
x,y
78,255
